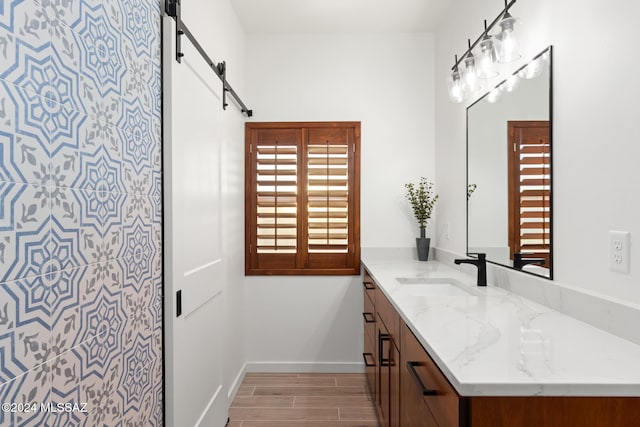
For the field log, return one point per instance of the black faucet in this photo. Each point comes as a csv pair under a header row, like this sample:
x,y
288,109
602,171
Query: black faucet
x,y
519,261
480,262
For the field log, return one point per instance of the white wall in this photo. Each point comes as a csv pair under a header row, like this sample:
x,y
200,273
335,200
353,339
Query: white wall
x,y
386,82
595,135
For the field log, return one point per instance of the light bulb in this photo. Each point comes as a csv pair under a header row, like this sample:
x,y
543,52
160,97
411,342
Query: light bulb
x,y
457,87
510,84
533,69
470,73
486,58
493,96
546,57
508,50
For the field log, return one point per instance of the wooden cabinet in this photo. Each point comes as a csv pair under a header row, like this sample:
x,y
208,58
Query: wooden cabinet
x,y
370,353
415,411
383,373
411,391
426,394
394,386
388,377
397,365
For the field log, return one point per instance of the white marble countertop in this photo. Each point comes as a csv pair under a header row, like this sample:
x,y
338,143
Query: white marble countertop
x,y
492,342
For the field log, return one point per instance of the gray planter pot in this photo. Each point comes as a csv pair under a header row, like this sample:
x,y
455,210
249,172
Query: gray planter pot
x,y
422,245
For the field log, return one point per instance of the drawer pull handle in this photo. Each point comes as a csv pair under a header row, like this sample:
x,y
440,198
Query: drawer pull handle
x,y
371,319
368,365
412,370
368,286
382,338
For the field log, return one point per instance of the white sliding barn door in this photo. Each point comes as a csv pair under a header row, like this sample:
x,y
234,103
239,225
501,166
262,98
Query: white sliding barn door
x,y
193,250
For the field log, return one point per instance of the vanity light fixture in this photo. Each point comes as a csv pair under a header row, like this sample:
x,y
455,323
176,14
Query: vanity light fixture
x,y
457,87
470,72
487,55
508,49
480,59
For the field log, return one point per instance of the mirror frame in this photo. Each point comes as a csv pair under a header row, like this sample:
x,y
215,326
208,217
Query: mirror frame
x,y
548,49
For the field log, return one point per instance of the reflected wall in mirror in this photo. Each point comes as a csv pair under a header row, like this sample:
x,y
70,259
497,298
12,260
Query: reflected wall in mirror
x,y
509,214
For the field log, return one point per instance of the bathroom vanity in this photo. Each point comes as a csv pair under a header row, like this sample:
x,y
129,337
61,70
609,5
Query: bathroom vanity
x,y
440,351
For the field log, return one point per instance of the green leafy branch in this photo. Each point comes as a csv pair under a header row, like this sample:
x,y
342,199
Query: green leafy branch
x,y
470,189
422,199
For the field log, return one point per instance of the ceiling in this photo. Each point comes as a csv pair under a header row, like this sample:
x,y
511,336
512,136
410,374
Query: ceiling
x,y
340,16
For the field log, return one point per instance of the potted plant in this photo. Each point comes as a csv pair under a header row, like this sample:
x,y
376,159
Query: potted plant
x,y
422,199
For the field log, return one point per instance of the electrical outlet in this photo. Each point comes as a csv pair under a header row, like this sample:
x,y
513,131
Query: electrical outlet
x,y
619,251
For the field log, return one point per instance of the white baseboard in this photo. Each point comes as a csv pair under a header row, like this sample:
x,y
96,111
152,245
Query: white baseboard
x,y
212,414
310,367
233,389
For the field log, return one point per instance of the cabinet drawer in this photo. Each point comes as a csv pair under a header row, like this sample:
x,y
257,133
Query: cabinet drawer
x,y
414,412
370,362
370,333
388,315
369,319
369,287
441,398
368,307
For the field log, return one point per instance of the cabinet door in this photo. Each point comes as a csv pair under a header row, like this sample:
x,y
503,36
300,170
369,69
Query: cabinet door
x,y
370,353
422,378
370,366
414,410
388,378
394,386
384,343
388,315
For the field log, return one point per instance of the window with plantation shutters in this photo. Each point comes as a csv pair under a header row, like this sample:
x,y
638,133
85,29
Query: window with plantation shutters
x,y
302,198
530,189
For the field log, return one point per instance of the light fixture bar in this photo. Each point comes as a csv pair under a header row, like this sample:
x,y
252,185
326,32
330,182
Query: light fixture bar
x,y
507,6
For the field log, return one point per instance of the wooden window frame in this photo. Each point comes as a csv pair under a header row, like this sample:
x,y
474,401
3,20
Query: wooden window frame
x,y
305,263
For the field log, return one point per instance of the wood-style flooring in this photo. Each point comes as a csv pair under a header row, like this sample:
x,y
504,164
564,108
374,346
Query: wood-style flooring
x,y
303,400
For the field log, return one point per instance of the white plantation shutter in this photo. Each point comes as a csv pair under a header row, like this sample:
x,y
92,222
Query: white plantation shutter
x,y
302,204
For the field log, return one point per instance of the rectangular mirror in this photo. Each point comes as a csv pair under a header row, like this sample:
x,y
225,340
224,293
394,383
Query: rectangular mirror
x,y
509,215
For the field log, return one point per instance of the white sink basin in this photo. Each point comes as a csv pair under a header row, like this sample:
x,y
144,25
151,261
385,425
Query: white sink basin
x,y
429,287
